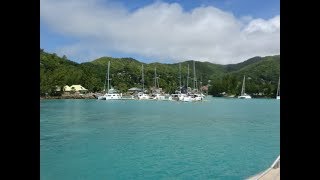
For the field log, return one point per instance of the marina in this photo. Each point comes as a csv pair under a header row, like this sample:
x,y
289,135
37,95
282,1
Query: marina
x,y
185,95
159,90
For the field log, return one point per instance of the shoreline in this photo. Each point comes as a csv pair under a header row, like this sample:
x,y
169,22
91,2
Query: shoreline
x,y
95,96
72,96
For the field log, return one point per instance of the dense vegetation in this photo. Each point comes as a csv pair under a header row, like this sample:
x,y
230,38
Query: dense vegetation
x,y
262,74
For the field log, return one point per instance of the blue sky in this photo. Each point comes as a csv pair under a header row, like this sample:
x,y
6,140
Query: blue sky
x,y
255,8
219,31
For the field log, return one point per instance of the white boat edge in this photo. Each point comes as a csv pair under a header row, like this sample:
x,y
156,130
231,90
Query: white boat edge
x,y
275,165
244,97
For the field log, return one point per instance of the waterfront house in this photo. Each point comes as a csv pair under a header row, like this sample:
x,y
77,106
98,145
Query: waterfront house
x,y
74,89
134,90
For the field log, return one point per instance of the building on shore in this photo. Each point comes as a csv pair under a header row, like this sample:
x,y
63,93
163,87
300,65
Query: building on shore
x,y
134,90
77,89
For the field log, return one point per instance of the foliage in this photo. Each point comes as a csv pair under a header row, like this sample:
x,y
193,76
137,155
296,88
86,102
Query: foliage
x,y
262,74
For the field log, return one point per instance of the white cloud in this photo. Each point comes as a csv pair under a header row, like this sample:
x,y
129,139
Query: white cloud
x,y
160,31
270,26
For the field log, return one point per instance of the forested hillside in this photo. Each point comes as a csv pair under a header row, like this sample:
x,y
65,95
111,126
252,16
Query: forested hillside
x,y
262,74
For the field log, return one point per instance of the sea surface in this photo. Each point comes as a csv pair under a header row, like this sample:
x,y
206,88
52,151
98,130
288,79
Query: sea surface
x,y
219,138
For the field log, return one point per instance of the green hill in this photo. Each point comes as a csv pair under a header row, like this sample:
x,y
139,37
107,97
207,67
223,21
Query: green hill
x,y
263,73
235,67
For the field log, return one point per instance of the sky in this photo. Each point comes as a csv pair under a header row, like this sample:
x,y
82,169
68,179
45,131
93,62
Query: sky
x,y
166,31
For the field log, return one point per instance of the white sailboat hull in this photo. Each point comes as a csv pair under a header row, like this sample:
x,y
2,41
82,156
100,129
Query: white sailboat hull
x,y
187,99
113,98
278,90
243,94
101,98
111,93
191,98
143,96
159,97
244,97
110,97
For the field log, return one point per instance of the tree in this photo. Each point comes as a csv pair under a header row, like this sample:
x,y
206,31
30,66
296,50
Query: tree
x,y
126,73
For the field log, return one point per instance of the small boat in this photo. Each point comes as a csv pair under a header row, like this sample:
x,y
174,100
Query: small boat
x,y
156,94
142,95
111,93
243,94
278,90
194,95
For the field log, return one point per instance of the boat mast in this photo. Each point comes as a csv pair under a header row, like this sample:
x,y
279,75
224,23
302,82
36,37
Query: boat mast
x,y
155,78
158,82
188,78
278,92
105,81
180,76
142,79
201,84
108,75
243,85
194,75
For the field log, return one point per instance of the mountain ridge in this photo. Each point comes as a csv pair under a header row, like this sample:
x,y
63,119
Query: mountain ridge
x,y
126,73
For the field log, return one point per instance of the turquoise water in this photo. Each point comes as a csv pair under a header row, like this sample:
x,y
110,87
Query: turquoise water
x,y
217,139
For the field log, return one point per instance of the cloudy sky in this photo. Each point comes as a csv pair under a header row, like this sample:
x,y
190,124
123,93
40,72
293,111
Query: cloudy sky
x,y
218,31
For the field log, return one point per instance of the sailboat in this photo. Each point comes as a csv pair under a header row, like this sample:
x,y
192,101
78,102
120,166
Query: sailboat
x,y
195,96
278,90
142,95
243,94
180,93
156,94
111,93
